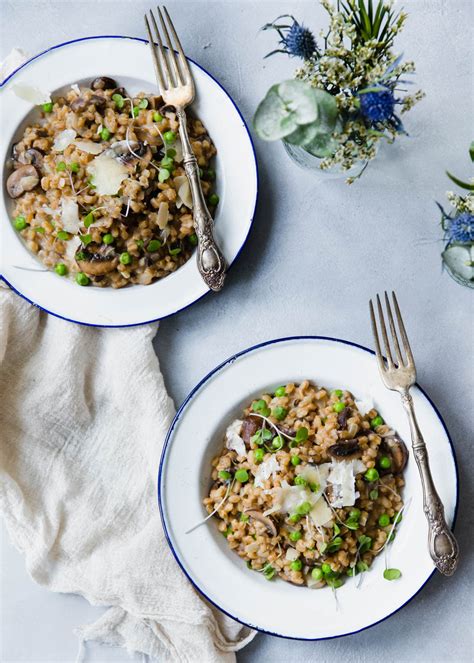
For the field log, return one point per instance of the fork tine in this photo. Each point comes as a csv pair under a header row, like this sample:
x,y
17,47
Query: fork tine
x,y
163,61
171,54
394,331
401,326
378,353
182,58
384,334
154,56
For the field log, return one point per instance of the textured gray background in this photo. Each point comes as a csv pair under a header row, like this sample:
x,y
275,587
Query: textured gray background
x,y
315,255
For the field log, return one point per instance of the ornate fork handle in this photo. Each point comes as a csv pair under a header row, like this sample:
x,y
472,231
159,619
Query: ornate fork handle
x,y
211,262
442,545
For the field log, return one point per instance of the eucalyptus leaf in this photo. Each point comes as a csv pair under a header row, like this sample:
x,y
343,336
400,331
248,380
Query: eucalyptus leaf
x,y
464,185
299,98
303,135
323,145
327,111
272,119
471,150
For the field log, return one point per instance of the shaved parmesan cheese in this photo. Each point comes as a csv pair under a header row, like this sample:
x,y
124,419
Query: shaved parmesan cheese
x,y
321,514
178,148
88,146
70,215
365,405
287,498
32,94
71,247
315,474
75,88
233,441
108,174
292,554
342,478
163,215
266,470
184,195
252,547
64,139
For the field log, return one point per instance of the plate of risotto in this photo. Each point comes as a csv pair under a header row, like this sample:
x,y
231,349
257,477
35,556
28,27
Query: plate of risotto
x,y
97,218
288,493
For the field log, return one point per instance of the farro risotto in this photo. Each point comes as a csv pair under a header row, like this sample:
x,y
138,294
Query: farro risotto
x,y
308,485
100,189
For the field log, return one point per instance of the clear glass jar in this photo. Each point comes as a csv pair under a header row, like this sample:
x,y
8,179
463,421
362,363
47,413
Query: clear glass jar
x,y
458,260
309,162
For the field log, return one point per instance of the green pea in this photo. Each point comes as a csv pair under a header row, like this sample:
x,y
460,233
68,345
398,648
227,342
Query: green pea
x,y
397,518
213,199
61,269
224,475
193,239
108,238
268,572
384,520
82,279
125,258
74,167
280,391
338,407
163,174
143,103
135,111
60,166
277,443
153,245
371,474
317,573
157,117
326,568
167,162
374,494
119,100
303,509
85,239
80,255
295,460
294,536
170,152
258,455
279,412
48,107
301,434
314,486
335,583
376,421
391,537
295,518
259,405
242,476
385,462
20,223
297,565
338,393
354,514
89,219
174,251
300,481
105,134
169,136
62,234
210,174
244,518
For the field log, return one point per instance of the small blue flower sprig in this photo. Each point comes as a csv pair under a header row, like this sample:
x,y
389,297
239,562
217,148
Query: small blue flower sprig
x,y
458,227
355,66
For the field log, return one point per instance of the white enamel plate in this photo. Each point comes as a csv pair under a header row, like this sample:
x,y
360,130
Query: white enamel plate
x,y
128,61
195,437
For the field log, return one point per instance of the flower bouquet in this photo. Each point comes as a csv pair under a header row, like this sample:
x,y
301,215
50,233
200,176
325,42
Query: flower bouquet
x,y
458,226
347,96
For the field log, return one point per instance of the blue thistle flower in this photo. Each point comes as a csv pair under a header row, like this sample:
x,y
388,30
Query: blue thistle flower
x,y
460,229
378,106
297,41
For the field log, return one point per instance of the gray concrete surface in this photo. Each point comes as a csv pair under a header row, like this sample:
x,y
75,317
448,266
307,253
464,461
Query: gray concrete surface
x,y
316,253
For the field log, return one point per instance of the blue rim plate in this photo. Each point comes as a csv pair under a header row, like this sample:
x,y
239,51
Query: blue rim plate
x,y
121,57
195,437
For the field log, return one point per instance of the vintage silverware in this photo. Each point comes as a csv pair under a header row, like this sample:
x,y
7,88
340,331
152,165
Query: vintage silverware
x,y
399,376
176,86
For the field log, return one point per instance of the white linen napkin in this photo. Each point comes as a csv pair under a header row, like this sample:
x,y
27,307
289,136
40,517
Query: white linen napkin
x,y
84,413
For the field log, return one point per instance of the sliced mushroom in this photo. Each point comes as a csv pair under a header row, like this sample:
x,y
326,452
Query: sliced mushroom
x,y
148,133
28,157
103,83
397,447
22,179
343,416
82,102
265,520
250,425
97,263
345,449
121,91
130,152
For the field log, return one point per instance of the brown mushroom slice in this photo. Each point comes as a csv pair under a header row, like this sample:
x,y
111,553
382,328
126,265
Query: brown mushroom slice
x,y
148,133
98,263
129,153
265,520
250,425
103,83
31,157
399,451
346,449
22,179
343,416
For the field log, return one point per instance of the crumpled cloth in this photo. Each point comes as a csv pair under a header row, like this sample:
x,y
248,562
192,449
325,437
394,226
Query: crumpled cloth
x,y
84,413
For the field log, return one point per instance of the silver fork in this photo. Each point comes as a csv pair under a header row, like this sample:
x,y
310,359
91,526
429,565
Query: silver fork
x,y
176,86
399,376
